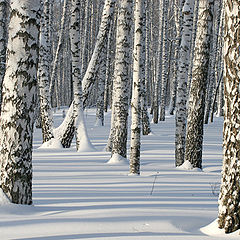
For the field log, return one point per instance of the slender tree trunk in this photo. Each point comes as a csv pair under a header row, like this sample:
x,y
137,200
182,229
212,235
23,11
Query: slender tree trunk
x,y
3,41
194,135
213,60
19,101
229,198
158,80
183,64
138,64
164,60
58,52
96,60
44,76
121,78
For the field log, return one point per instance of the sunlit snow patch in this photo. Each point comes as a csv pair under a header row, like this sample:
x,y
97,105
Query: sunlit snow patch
x,y
213,230
52,143
117,159
3,198
188,166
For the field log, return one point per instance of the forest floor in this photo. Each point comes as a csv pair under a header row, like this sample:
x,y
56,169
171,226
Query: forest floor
x,y
77,195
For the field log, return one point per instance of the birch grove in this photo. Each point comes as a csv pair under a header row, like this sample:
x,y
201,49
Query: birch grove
x,y
137,64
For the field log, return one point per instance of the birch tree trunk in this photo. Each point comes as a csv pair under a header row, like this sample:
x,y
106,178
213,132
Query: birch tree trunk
x,y
121,78
138,78
79,123
93,66
19,100
76,63
146,129
229,200
164,60
178,6
44,76
213,59
3,42
194,135
182,77
158,80
53,84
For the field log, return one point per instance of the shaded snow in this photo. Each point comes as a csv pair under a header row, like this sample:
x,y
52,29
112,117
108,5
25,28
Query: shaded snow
x,y
77,195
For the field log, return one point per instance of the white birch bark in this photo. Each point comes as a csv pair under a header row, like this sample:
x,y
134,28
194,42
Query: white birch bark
x,y
194,133
53,84
182,77
138,65
213,59
44,75
164,62
79,123
93,66
229,201
178,5
3,41
19,100
121,78
158,79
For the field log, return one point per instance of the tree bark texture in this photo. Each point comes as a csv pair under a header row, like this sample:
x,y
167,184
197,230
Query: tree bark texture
x,y
183,64
229,199
121,78
194,134
19,101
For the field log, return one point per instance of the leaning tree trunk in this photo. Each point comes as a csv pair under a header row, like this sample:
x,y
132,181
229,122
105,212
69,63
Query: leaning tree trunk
x,y
121,78
3,41
94,64
44,76
19,101
182,76
194,135
229,199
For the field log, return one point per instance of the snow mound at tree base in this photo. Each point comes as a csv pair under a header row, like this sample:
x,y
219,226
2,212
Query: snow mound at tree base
x,y
53,143
188,166
213,230
4,199
117,159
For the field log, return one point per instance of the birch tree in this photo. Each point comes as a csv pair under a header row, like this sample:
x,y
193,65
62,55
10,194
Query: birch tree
x,y
44,75
164,60
182,76
138,64
194,134
229,200
93,66
121,79
59,49
3,41
19,98
79,123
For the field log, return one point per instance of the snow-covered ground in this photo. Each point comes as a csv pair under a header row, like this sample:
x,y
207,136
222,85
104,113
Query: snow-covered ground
x,y
78,196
